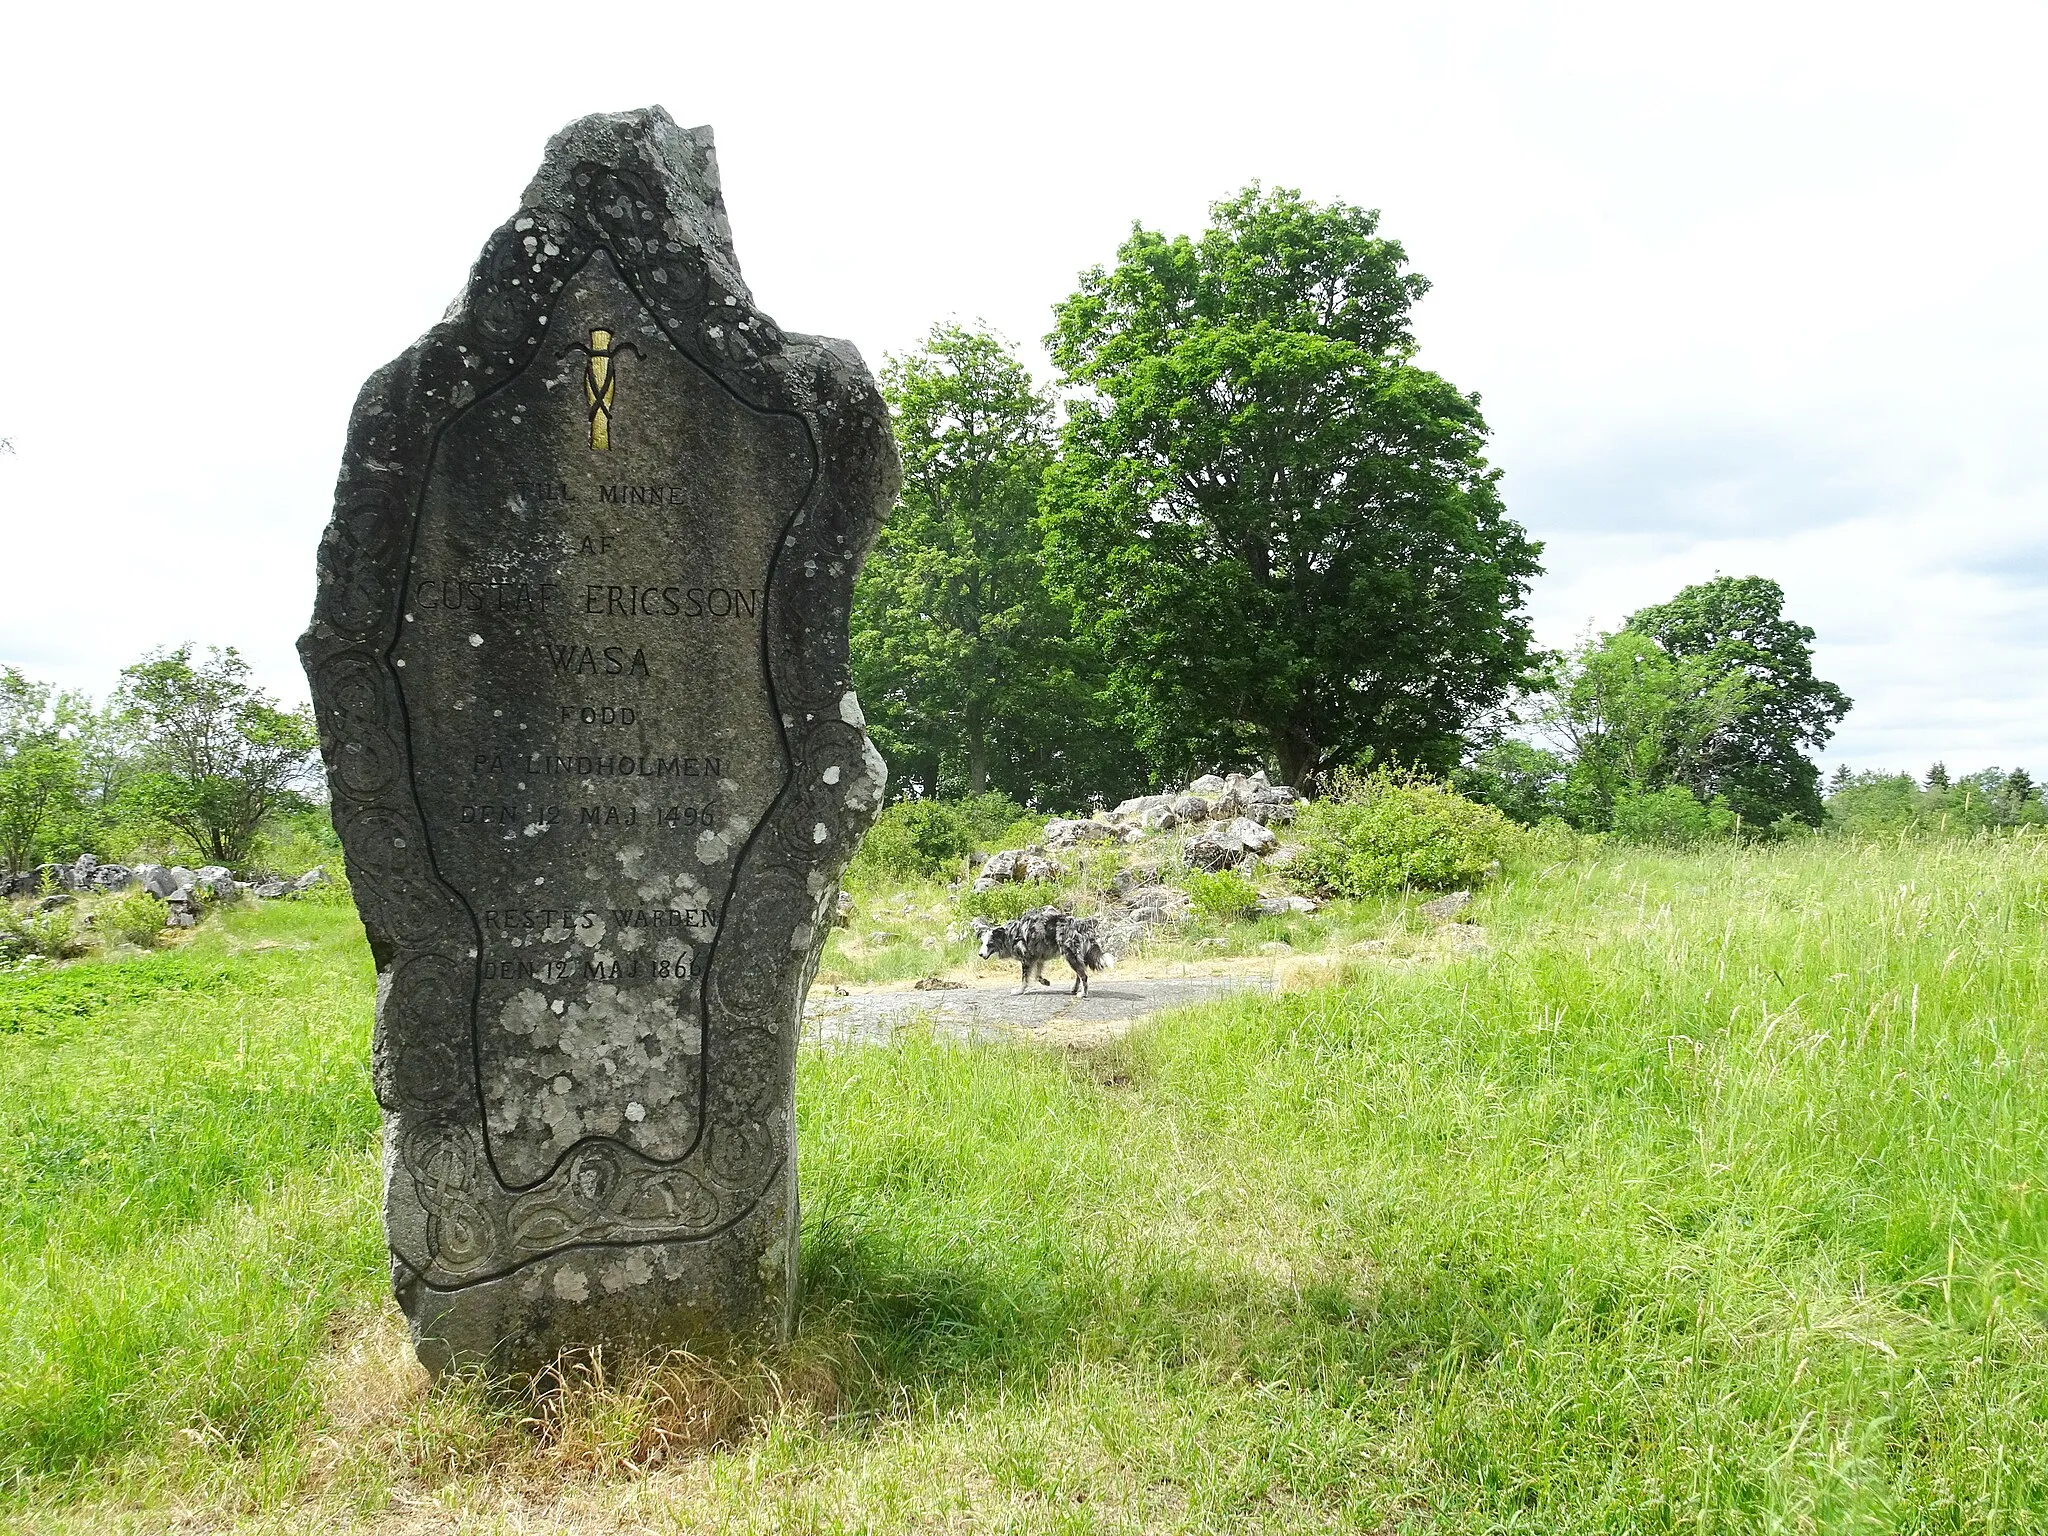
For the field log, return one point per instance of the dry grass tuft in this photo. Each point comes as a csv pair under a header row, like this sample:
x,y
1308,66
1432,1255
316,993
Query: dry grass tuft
x,y
385,1424
594,1419
1304,973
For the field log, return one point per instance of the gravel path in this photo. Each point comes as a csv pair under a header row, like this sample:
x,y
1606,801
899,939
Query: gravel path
x,y
1049,1015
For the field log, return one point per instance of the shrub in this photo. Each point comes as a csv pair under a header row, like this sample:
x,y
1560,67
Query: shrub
x,y
334,891
1388,831
133,917
1026,831
1000,903
1222,897
911,840
923,839
987,820
52,934
1673,816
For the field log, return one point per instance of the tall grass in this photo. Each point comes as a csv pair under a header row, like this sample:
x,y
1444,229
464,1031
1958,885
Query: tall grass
x,y
1711,1195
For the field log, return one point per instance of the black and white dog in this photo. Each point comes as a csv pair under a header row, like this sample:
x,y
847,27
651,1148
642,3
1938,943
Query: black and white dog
x,y
1038,936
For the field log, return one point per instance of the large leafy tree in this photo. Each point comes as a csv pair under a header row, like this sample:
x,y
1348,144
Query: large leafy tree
x,y
1734,633
1287,535
219,759
962,655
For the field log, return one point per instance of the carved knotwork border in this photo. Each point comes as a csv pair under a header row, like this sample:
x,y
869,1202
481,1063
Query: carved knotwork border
x,y
451,1222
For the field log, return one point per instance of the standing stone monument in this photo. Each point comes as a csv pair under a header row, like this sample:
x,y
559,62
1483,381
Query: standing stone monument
x,y
579,659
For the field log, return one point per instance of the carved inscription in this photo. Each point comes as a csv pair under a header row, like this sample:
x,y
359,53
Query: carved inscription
x,y
579,662
594,738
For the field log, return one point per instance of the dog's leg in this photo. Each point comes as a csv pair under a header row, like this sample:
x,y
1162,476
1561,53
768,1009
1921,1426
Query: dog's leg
x,y
1024,984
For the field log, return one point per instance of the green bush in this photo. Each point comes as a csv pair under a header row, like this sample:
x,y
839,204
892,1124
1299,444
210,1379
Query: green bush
x,y
133,917
1388,831
923,839
52,935
1222,897
910,840
990,820
334,891
1000,903
1673,817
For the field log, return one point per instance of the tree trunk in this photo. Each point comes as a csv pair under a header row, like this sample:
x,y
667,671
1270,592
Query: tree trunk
x,y
977,753
1298,757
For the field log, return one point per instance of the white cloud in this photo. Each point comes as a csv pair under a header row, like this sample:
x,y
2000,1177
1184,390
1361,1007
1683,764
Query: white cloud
x,y
1754,288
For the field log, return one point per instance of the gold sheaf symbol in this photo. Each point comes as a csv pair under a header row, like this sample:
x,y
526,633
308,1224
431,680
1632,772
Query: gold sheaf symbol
x,y
601,382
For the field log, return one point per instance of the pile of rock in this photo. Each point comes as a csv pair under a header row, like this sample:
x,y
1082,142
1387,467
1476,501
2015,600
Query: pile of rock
x,y
177,887
1229,844
1234,815
86,874
1210,798
271,890
1020,865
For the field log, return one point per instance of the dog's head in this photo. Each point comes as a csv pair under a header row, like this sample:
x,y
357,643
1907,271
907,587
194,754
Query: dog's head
x,y
997,941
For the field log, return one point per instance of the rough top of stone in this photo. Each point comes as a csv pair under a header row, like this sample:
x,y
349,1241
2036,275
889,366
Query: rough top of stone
x,y
682,162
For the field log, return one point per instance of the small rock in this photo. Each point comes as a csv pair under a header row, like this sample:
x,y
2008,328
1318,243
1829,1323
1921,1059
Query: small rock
x,y
1370,947
1445,907
54,900
1282,906
113,877
1190,808
312,877
271,890
156,880
935,984
1276,947
1159,818
1207,784
1135,808
1071,834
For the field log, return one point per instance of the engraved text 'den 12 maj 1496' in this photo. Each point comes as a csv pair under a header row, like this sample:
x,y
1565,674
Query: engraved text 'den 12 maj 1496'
x,y
593,733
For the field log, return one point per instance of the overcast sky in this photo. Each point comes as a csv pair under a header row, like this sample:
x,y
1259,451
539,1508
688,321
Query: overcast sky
x,y
1751,289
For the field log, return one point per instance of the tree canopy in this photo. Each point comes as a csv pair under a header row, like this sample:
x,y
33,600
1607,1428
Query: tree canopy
x,y
1710,697
218,757
964,658
1284,533
42,774
1734,630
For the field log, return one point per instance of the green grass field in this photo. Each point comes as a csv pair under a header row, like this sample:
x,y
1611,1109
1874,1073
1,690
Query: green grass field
x,y
1712,1195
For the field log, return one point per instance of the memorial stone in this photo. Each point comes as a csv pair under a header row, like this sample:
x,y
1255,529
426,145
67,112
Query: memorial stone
x,y
579,661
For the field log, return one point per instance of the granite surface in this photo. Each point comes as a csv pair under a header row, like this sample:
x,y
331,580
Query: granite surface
x,y
579,660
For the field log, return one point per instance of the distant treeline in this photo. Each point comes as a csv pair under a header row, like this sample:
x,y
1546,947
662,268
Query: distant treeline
x,y
186,759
